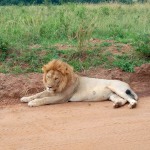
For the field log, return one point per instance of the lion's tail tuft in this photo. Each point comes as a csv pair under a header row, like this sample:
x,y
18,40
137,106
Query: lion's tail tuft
x,y
131,94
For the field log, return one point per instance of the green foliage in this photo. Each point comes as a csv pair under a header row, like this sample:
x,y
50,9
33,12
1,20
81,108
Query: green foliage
x,y
124,63
106,44
86,59
127,62
74,25
33,60
3,49
23,26
143,45
106,10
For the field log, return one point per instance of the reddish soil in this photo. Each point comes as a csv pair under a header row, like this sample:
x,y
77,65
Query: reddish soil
x,y
72,126
63,47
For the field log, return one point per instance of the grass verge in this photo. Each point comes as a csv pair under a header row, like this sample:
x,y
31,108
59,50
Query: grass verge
x,y
28,35
108,55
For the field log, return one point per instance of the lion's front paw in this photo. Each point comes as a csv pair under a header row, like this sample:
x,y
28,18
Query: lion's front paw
x,y
132,104
25,99
33,103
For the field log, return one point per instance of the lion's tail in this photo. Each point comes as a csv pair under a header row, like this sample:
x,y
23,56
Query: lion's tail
x,y
132,94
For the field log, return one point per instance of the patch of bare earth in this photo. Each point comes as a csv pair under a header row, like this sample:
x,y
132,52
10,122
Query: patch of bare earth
x,y
12,87
63,47
34,46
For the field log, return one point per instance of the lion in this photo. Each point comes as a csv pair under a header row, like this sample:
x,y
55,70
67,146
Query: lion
x,y
64,85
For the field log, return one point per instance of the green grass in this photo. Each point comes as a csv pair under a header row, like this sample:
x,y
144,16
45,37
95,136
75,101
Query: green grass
x,y
22,27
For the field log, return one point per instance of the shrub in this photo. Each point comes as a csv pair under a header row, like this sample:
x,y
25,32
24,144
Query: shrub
x,y
143,45
125,62
3,49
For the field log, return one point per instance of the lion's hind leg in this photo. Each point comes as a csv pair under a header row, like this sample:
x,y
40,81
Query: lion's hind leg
x,y
117,100
125,92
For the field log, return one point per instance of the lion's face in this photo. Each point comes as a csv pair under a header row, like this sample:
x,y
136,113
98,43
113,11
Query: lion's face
x,y
53,81
57,75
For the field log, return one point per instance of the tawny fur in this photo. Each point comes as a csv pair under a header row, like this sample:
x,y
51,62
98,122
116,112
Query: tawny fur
x,y
67,74
63,85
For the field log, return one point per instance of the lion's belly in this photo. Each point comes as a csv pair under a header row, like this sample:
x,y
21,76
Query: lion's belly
x,y
91,89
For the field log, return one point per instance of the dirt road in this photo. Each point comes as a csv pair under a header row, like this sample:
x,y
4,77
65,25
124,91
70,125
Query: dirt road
x,y
75,126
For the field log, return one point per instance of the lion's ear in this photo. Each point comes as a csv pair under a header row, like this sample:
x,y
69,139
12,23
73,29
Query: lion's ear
x,y
65,69
69,69
61,69
44,69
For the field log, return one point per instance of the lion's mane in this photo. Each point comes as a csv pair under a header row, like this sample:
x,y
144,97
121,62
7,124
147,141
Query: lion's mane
x,y
66,71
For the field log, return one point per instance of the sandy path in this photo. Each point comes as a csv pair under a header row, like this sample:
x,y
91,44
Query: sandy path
x,y
75,126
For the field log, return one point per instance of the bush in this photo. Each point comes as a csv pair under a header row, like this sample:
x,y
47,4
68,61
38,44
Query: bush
x,y
3,49
143,45
125,62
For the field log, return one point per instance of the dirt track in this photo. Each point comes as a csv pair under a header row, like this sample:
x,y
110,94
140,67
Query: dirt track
x,y
74,126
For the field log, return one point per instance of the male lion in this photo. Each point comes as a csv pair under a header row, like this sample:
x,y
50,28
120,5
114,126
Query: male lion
x,y
63,85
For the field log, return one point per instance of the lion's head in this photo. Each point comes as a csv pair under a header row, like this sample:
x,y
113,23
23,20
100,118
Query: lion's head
x,y
57,76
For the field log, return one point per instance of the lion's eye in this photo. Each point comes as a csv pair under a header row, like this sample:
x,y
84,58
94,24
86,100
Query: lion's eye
x,y
56,78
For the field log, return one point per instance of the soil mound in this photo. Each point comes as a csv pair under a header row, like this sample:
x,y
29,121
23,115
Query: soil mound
x,y
13,87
